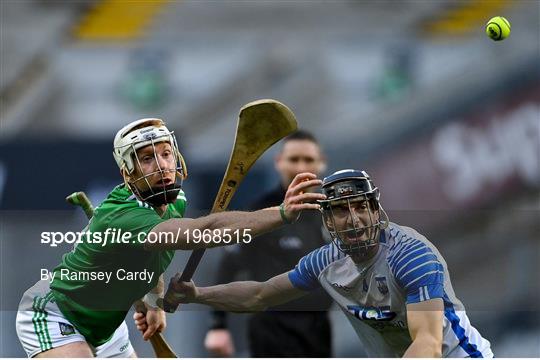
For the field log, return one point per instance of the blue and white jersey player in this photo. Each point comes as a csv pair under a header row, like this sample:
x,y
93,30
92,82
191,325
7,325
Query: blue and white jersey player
x,y
389,280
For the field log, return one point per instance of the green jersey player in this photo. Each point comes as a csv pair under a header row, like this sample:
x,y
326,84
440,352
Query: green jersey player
x,y
81,311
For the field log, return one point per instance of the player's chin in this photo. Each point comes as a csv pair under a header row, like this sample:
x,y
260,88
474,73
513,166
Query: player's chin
x,y
355,239
351,234
348,241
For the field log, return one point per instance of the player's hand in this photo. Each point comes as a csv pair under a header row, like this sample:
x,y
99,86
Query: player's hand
x,y
154,321
184,292
219,343
297,198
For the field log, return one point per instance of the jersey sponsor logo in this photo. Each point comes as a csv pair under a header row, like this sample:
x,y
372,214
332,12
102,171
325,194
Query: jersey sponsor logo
x,y
66,329
381,284
371,312
342,287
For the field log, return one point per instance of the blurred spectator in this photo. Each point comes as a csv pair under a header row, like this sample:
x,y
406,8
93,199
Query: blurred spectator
x,y
145,85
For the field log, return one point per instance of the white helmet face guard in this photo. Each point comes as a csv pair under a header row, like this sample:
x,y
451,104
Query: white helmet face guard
x,y
125,153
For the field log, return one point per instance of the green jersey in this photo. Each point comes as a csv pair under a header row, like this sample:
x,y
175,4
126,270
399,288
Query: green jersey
x,y
96,284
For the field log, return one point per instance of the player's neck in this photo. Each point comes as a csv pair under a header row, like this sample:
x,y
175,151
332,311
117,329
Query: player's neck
x,y
161,209
365,257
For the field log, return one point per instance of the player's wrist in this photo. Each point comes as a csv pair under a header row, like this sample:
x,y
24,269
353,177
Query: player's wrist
x,y
287,216
151,301
209,295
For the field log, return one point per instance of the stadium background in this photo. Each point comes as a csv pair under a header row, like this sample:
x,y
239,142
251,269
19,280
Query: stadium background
x,y
444,119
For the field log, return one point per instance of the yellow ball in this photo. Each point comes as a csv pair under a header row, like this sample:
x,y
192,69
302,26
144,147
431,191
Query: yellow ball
x,y
498,28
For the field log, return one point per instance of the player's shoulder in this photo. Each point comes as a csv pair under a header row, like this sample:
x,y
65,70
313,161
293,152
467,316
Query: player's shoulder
x,y
402,240
322,257
178,208
410,254
306,274
119,199
119,206
398,237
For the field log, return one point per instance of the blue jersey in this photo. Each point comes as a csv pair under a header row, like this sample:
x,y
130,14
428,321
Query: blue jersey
x,y
406,269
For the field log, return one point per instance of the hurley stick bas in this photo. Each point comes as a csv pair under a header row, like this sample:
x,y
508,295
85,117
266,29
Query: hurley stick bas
x,y
261,124
160,346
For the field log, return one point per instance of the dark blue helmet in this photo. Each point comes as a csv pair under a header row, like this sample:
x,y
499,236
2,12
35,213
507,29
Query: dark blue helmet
x,y
349,182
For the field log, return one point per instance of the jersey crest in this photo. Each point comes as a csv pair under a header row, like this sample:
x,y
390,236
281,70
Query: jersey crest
x,y
381,284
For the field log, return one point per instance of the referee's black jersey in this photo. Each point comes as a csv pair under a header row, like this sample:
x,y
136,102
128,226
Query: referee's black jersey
x,y
300,327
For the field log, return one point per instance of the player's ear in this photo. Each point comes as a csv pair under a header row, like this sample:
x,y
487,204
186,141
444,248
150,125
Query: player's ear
x,y
124,174
183,165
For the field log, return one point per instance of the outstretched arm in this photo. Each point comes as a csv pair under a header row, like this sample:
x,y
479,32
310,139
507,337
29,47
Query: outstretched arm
x,y
175,233
241,296
425,321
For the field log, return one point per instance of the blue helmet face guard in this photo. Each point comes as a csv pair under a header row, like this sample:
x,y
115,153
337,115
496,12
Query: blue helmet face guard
x,y
352,213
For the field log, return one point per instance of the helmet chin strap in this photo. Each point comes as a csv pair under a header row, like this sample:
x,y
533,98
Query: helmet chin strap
x,y
156,196
162,195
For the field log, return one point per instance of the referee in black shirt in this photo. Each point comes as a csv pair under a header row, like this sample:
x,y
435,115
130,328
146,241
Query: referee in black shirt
x,y
300,328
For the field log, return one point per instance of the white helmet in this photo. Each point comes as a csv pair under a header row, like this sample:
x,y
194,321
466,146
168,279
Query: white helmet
x,y
126,143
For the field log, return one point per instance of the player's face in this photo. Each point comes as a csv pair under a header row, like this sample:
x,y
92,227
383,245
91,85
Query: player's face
x,y
298,156
156,168
353,220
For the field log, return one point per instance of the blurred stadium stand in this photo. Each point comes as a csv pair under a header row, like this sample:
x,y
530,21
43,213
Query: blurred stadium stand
x,y
446,121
